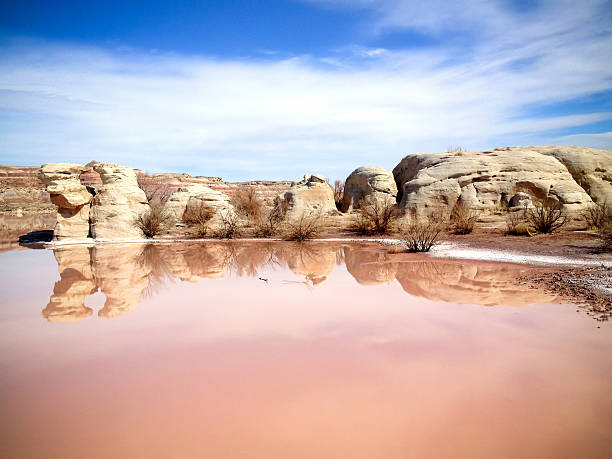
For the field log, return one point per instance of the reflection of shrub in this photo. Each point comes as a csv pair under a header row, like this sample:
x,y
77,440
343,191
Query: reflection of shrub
x,y
421,235
229,225
463,219
546,217
338,193
597,214
375,216
154,220
197,216
516,225
247,203
305,227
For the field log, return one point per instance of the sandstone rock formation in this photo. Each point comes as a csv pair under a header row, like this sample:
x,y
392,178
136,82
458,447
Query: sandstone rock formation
x,y
117,204
71,198
312,195
194,194
485,180
368,181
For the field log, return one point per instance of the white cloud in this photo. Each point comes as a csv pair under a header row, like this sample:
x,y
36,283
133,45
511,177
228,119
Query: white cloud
x,y
280,118
600,140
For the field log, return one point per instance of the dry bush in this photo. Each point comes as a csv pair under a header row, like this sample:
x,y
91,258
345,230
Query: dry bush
x,y
463,219
247,203
305,227
154,193
604,231
197,217
546,217
269,222
230,225
421,235
338,193
516,225
457,150
154,220
597,214
376,216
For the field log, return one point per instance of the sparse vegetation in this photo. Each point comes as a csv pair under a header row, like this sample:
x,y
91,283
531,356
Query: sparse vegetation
x,y
197,217
338,193
269,222
306,226
546,217
597,215
154,220
604,231
463,219
516,225
375,216
420,235
247,203
456,150
229,225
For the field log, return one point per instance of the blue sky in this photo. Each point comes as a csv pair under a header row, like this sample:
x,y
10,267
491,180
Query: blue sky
x,y
275,89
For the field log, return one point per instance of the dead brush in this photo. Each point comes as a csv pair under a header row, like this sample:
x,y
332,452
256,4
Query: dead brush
x,y
546,217
338,193
247,203
420,235
154,220
269,223
230,227
597,214
375,216
463,219
306,226
604,232
198,216
516,225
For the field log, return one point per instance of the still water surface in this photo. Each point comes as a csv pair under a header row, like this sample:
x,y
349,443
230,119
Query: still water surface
x,y
264,349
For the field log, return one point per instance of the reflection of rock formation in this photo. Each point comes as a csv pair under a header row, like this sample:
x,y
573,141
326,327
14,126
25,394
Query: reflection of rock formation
x,y
489,284
122,276
67,303
369,267
124,273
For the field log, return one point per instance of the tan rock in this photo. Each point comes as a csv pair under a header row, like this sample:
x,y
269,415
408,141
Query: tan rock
x,y
71,198
484,180
308,196
117,204
368,182
179,200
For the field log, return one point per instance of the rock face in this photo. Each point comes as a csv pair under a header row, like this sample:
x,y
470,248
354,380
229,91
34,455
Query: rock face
x,y
484,180
117,204
194,194
368,181
310,195
71,198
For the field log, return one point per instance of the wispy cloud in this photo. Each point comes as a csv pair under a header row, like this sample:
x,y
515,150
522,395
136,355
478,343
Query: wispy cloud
x,y
281,117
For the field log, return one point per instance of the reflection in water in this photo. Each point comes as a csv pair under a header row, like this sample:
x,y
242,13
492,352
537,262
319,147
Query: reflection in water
x,y
124,273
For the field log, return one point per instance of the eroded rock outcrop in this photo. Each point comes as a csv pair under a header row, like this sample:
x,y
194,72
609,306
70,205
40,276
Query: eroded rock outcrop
x,y
368,182
487,179
194,194
71,198
312,195
117,204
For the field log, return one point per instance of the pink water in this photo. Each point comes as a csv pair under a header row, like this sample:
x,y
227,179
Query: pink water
x,y
345,351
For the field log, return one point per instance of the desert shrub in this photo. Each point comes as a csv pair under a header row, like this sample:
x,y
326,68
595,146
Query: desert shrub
x,y
269,222
338,193
516,225
546,217
305,227
375,216
604,231
463,219
154,220
155,192
229,225
457,150
247,203
597,214
198,216
420,235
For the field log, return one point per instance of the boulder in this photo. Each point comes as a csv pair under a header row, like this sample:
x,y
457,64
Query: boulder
x,y
368,182
485,180
117,204
182,198
308,196
71,198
